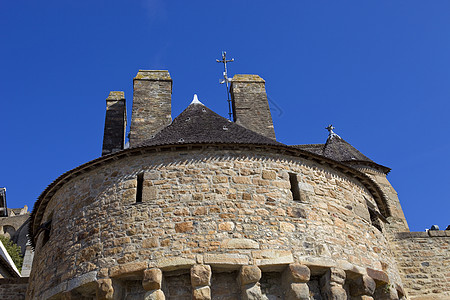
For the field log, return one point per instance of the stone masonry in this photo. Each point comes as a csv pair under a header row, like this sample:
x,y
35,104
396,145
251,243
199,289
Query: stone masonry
x,y
152,92
201,208
250,105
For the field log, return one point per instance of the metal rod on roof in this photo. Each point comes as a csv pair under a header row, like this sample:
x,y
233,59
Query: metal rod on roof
x,y
227,81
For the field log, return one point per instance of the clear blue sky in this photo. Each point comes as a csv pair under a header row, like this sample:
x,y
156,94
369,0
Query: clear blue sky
x,y
379,71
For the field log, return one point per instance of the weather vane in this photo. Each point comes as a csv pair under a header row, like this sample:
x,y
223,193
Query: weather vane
x,y
226,80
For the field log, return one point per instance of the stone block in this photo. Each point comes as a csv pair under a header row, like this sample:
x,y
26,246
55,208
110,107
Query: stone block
x,y
249,275
363,285
200,275
287,227
296,273
225,260
226,226
155,295
378,275
105,290
336,275
128,270
267,174
251,292
239,244
152,279
173,263
297,291
337,292
202,293
82,280
272,260
386,292
184,227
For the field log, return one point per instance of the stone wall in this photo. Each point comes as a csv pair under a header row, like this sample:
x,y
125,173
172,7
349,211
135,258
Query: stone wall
x,y
424,262
13,289
222,208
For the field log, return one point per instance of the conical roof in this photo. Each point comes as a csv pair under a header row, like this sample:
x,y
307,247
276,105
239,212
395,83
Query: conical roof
x,y
338,149
197,124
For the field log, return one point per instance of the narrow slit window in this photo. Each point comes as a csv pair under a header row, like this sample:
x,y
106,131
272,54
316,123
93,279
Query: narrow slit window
x,y
46,228
375,220
294,186
140,185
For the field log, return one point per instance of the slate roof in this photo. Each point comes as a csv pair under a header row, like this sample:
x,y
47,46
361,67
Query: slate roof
x,y
197,124
338,149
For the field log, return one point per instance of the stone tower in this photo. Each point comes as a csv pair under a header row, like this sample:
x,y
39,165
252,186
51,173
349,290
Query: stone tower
x,y
205,208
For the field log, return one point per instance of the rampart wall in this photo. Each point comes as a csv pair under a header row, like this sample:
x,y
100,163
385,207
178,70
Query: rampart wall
x,y
220,208
424,262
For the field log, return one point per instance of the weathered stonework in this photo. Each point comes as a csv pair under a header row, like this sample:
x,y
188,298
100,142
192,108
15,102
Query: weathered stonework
x,y
424,261
166,231
250,105
152,92
208,209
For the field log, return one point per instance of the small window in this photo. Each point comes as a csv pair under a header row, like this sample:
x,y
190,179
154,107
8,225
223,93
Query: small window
x,y
295,191
140,186
375,220
46,228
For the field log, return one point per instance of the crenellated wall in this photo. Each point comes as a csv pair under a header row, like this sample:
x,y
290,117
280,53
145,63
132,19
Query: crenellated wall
x,y
226,209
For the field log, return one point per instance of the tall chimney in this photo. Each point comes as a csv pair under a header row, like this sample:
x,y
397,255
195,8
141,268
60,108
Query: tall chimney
x,y
152,92
250,105
115,123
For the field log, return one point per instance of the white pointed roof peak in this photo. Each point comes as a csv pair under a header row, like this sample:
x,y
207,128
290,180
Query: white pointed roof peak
x,y
195,100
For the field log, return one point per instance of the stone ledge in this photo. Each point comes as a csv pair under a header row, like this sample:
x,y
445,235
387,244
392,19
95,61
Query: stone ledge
x,y
226,260
174,263
421,234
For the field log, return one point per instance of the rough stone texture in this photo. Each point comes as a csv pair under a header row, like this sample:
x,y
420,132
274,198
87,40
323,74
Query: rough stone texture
x,y
332,284
155,295
386,292
249,275
200,275
251,292
201,293
151,111
363,285
110,231
297,291
152,279
424,263
397,220
250,105
13,288
115,123
296,273
105,290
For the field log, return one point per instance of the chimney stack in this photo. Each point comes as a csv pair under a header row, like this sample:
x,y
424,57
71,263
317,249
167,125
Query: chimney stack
x,y
250,105
115,123
152,92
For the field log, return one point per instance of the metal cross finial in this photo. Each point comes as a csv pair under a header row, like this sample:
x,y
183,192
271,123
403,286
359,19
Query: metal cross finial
x,y
226,80
330,129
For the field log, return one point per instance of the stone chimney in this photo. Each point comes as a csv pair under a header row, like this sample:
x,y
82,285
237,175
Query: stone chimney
x,y
115,123
250,105
152,92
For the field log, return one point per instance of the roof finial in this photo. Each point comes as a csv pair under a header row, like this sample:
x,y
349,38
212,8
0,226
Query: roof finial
x,y
195,100
330,130
226,79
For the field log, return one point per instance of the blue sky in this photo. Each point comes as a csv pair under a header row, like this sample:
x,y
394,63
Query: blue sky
x,y
379,71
